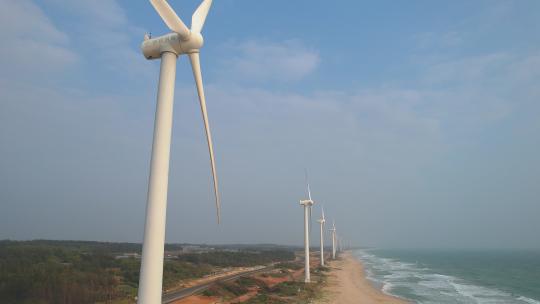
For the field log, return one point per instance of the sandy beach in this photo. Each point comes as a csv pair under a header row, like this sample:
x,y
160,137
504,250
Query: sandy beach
x,y
347,284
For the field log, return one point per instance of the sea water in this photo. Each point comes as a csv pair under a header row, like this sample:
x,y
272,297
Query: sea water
x,y
439,277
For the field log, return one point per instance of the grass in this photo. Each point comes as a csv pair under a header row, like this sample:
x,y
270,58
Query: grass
x,y
282,293
290,265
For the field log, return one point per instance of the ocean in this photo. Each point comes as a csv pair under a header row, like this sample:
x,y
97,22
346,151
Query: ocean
x,y
439,277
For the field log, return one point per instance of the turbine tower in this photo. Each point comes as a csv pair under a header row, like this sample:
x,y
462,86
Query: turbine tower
x,y
307,204
333,229
167,48
321,222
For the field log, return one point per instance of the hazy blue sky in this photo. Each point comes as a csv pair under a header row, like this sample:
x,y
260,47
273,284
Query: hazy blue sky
x,y
419,121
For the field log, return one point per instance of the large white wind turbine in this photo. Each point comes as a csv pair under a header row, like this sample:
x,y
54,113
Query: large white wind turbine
x,y
307,218
333,229
321,222
168,47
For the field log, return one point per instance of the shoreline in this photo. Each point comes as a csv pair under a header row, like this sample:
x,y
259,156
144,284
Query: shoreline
x,y
347,283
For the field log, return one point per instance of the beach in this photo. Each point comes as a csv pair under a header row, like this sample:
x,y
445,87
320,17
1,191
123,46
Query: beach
x,y
347,284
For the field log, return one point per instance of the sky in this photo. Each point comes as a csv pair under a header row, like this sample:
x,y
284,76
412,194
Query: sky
x,y
417,121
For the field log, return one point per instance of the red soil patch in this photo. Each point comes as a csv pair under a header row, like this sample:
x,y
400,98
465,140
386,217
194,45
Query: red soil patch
x,y
270,281
253,292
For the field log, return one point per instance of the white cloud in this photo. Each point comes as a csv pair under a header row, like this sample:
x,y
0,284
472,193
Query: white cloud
x,y
468,69
102,30
102,13
32,44
262,61
23,19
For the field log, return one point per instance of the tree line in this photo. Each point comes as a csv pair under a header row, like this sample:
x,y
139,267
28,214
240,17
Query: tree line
x,y
90,272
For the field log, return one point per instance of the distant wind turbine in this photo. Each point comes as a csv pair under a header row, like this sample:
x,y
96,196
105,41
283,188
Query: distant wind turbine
x,y
321,222
333,229
307,217
167,48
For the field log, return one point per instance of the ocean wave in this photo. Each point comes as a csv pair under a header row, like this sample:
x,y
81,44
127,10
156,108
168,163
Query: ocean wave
x,y
528,300
423,285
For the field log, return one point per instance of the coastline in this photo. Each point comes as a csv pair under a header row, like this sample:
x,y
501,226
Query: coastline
x,y
347,283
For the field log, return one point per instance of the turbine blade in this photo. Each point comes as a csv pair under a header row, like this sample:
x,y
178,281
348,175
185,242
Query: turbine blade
x,y
196,66
322,212
171,19
199,16
307,183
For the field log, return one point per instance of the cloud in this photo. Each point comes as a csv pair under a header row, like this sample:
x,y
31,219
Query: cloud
x,y
33,45
103,33
102,13
266,61
467,69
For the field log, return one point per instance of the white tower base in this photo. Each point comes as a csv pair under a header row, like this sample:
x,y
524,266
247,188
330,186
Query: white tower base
x,y
322,244
307,276
334,245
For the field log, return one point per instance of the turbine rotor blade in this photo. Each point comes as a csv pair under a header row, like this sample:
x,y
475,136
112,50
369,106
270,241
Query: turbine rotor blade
x,y
199,16
307,183
196,66
171,19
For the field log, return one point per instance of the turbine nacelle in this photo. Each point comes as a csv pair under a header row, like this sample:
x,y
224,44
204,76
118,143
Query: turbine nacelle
x,y
306,202
152,48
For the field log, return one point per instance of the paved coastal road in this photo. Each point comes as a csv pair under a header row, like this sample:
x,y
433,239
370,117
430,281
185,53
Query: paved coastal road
x,y
186,292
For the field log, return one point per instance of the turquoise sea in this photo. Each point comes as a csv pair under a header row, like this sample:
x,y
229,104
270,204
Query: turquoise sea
x,y
455,276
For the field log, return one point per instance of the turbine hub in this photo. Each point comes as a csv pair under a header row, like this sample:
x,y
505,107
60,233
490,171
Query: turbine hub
x,y
192,44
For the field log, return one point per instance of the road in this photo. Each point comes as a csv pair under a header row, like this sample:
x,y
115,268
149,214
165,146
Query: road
x,y
186,292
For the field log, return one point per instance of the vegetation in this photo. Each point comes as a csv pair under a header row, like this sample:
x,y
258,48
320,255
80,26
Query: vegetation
x,y
265,299
231,289
300,291
290,265
49,274
279,274
321,269
89,272
237,259
282,293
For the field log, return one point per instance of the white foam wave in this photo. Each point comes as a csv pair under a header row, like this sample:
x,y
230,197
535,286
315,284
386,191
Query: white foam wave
x,y
425,286
528,300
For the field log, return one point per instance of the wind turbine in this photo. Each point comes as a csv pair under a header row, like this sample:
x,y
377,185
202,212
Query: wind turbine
x,y
307,217
321,222
168,47
333,229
